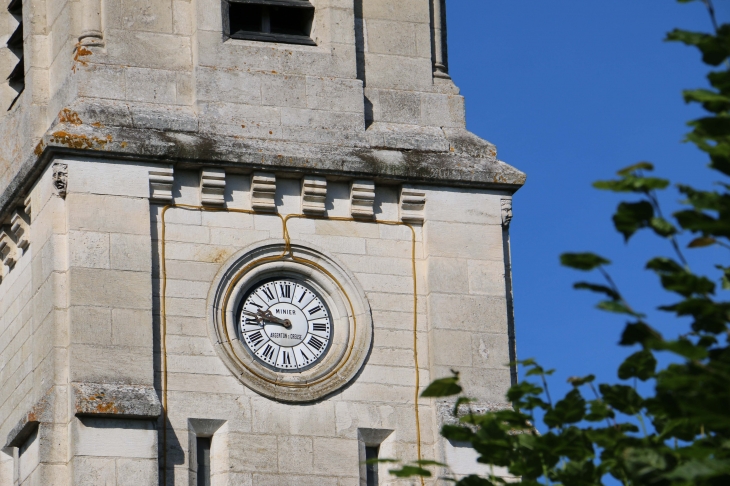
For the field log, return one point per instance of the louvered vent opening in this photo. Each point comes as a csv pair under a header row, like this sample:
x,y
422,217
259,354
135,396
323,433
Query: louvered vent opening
x,y
285,21
16,80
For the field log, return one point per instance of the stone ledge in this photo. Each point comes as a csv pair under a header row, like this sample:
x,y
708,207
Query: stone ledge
x,y
119,401
41,412
447,157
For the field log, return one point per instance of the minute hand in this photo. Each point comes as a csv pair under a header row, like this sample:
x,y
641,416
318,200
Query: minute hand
x,y
268,316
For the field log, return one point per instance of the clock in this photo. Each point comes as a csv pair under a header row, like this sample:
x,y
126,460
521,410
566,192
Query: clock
x,y
285,324
290,322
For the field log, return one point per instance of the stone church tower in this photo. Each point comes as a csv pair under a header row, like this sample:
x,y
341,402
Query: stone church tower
x,y
236,237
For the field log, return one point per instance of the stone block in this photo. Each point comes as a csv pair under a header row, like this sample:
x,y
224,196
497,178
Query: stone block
x,y
490,351
137,472
468,313
114,438
110,364
146,16
132,327
405,11
476,242
88,249
386,283
292,480
148,49
102,81
463,206
486,277
448,275
295,455
334,94
130,252
152,85
398,72
182,17
391,37
314,195
231,86
112,288
338,244
452,348
278,90
261,451
93,471
360,229
90,325
412,204
336,457
362,198
112,214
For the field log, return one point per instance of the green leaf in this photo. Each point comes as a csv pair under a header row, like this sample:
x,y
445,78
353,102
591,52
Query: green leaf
x,y
473,480
633,168
617,307
725,279
639,333
457,433
583,261
662,227
631,217
569,410
701,242
408,471
577,381
676,278
641,365
715,48
597,288
443,387
621,397
428,462
632,183
696,471
599,410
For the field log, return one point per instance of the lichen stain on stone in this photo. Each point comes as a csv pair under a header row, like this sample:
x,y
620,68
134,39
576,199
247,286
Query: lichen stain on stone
x,y
81,51
75,141
38,151
97,125
69,116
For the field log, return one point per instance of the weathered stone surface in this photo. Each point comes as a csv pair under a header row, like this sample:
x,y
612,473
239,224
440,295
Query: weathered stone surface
x,y
96,399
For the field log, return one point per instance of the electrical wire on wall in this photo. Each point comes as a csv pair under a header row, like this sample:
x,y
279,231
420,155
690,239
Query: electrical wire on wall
x,y
287,254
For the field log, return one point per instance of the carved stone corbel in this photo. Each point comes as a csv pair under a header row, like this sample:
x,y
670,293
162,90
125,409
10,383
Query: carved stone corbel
x,y
161,181
212,187
28,208
60,178
314,194
506,205
362,199
412,204
263,191
20,227
8,247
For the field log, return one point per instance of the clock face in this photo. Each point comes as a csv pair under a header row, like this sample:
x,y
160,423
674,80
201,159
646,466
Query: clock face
x,y
285,324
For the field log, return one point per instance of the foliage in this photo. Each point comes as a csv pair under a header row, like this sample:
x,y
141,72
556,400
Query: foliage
x,y
679,434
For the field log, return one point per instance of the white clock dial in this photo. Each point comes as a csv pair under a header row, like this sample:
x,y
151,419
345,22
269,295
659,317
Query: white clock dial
x,y
285,324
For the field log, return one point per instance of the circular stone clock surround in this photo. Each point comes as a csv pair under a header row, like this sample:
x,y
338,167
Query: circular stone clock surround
x,y
351,322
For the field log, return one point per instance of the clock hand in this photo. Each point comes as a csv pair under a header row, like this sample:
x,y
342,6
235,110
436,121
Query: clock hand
x,y
274,320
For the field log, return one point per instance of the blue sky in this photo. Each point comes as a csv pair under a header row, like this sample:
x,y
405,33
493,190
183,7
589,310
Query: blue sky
x,y
571,91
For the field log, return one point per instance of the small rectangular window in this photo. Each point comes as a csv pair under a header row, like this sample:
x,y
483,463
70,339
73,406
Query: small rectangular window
x,y
203,446
371,470
16,80
285,21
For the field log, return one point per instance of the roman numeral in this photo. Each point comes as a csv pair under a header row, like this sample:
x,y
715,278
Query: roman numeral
x,y
268,293
315,310
315,343
285,358
319,326
304,292
285,291
255,338
254,303
268,352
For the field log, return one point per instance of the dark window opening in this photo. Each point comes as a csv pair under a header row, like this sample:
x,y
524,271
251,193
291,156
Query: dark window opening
x,y
203,446
371,469
16,80
286,21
